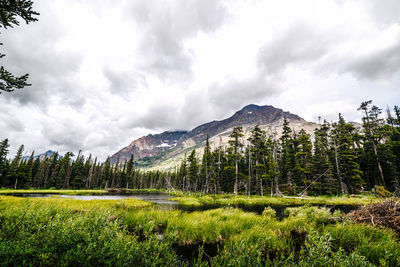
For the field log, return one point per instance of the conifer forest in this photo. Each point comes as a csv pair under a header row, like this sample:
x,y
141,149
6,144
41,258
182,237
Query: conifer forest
x,y
340,158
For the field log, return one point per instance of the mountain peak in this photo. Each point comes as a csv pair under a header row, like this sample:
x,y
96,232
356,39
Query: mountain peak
x,y
153,145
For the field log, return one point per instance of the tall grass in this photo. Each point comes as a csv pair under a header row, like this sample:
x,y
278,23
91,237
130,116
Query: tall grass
x,y
67,232
230,200
46,233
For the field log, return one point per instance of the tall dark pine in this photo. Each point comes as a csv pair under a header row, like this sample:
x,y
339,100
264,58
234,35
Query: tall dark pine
x,y
236,145
286,149
303,159
130,171
4,146
206,166
257,140
28,171
16,173
322,167
372,125
348,167
193,170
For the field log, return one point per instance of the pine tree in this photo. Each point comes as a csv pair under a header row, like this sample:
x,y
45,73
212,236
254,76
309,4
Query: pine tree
x,y
4,146
348,167
193,170
107,173
322,172
16,173
286,152
206,166
130,171
303,160
257,140
35,170
272,174
372,125
236,145
28,171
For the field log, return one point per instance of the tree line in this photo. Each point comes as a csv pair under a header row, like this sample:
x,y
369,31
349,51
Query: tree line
x,y
340,158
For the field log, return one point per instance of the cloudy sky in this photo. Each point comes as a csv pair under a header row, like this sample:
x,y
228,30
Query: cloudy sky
x,y
104,73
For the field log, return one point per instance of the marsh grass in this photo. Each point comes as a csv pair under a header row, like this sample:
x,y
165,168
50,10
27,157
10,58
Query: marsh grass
x,y
48,233
229,200
66,232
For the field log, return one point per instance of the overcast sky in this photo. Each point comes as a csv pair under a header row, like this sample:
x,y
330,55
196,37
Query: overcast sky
x,y
104,73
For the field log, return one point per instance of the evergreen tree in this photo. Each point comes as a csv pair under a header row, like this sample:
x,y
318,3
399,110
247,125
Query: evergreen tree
x,y
236,145
322,171
182,174
303,160
206,166
193,170
28,171
257,141
272,174
16,173
35,169
130,171
285,163
372,125
107,173
348,167
4,149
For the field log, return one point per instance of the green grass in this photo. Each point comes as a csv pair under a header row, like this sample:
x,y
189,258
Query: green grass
x,y
228,200
67,232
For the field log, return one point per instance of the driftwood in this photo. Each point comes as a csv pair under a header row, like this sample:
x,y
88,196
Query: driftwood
x,y
386,214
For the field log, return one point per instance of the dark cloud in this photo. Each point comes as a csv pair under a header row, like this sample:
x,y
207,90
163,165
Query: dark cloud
x,y
124,82
378,64
166,25
232,94
306,46
301,43
64,135
157,117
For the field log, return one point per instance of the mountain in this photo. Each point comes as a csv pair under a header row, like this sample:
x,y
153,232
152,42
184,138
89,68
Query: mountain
x,y
166,150
149,146
48,154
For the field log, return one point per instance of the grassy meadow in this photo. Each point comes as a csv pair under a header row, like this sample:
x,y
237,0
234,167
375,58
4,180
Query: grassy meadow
x,y
66,232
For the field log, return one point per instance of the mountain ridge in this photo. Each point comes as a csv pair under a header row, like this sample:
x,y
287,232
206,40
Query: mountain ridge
x,y
156,145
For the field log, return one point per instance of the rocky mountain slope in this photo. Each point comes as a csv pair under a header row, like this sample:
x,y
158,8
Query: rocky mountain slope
x,y
166,150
